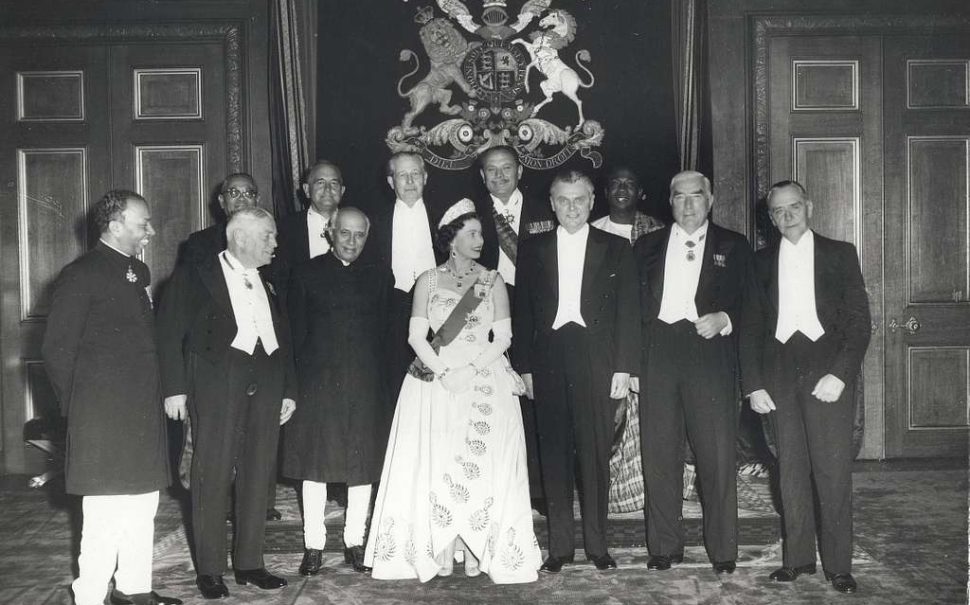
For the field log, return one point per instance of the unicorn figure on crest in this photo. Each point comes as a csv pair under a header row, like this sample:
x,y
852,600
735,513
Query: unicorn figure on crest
x,y
559,29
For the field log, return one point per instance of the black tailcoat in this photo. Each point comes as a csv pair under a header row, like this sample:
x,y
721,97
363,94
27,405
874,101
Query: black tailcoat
x,y
814,438
339,319
536,218
689,387
203,245
99,351
572,370
234,401
379,247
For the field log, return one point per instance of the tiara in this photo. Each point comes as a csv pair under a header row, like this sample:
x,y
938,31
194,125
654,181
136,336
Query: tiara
x,y
462,206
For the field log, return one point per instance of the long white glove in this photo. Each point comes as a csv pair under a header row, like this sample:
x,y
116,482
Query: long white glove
x,y
418,339
501,339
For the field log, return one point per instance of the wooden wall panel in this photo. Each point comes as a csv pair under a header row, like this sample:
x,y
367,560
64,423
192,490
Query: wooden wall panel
x,y
168,94
50,96
939,200
52,188
821,85
39,398
937,83
170,177
935,403
829,170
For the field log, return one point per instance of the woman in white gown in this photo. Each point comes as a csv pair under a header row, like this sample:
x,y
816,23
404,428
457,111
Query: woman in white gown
x,y
455,467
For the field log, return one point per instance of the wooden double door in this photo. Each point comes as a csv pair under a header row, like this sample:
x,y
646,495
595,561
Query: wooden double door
x,y
99,107
875,121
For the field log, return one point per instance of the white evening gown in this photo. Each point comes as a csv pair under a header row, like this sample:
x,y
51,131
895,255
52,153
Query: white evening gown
x,y
455,466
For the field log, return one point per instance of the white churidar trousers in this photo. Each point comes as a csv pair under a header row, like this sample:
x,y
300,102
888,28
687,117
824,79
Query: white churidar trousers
x,y
116,532
314,504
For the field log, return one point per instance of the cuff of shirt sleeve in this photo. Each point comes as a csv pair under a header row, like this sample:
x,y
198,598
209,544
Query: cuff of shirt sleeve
x,y
729,327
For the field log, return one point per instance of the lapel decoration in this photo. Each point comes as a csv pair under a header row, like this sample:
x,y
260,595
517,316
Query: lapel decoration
x,y
720,260
130,275
539,227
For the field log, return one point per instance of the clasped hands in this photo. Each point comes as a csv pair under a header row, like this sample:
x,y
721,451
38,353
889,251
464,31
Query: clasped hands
x,y
828,389
176,408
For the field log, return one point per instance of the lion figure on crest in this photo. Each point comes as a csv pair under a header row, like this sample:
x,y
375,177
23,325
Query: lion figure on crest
x,y
558,30
446,48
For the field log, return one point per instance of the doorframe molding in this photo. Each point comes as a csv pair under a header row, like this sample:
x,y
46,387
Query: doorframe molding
x,y
760,29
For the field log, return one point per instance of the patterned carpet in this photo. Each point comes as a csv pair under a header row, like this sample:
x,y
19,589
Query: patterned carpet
x,y
911,537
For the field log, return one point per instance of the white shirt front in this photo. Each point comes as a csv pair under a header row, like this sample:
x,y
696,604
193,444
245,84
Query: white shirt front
x,y
796,290
682,270
411,250
316,226
605,224
571,254
512,211
254,321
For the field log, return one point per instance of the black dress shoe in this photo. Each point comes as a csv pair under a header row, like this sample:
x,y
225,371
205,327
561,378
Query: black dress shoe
x,y
724,567
144,598
211,587
790,574
355,556
273,515
312,562
259,578
843,582
554,564
603,562
663,562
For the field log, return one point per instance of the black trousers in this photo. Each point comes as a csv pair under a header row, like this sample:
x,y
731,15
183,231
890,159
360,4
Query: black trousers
x,y
530,428
574,414
690,389
235,409
814,441
399,352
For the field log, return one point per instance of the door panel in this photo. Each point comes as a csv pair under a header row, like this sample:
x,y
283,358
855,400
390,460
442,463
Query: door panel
x,y
77,120
825,118
927,253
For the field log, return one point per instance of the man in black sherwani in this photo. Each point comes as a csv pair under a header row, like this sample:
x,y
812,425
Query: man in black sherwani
x,y
339,316
815,335
698,292
575,300
99,351
226,359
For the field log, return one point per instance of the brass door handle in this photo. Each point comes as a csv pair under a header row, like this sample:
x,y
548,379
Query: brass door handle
x,y
912,325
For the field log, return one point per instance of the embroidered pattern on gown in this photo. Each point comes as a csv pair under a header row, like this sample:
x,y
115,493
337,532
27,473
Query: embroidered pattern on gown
x,y
455,466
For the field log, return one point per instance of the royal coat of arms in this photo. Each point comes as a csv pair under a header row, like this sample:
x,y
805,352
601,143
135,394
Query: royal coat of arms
x,y
482,90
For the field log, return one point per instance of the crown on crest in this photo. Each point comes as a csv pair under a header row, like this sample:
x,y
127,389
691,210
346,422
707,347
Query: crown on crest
x,y
424,15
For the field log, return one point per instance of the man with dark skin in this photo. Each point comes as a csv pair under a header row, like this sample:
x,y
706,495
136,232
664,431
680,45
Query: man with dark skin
x,y
624,194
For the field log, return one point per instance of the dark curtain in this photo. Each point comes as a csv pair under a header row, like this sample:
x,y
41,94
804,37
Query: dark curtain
x,y
630,47
289,119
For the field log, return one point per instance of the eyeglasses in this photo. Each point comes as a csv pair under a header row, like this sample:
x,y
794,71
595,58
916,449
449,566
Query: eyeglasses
x,y
234,193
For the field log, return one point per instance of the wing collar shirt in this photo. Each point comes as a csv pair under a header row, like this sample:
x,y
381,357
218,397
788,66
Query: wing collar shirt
x,y
512,211
411,250
250,305
571,254
682,270
316,225
796,290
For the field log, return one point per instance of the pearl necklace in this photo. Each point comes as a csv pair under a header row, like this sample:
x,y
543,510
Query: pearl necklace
x,y
458,278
